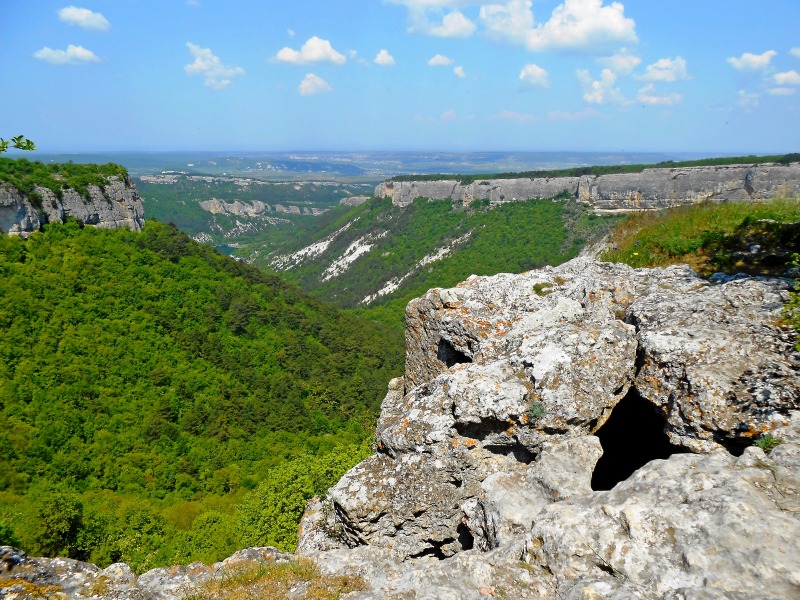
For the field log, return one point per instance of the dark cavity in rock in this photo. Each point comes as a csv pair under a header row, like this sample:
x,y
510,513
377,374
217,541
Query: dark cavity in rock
x,y
631,438
449,355
465,537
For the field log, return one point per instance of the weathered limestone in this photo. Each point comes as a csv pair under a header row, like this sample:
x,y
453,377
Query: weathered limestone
x,y
652,188
486,453
116,205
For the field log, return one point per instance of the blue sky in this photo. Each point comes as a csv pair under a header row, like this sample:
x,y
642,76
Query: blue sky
x,y
538,75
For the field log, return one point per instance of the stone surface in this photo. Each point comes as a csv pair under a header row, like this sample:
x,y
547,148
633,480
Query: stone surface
x,y
485,453
652,188
67,578
116,205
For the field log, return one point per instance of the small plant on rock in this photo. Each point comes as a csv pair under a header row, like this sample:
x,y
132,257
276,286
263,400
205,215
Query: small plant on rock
x,y
536,411
768,443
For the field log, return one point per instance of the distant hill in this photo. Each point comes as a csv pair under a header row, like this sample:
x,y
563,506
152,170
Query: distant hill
x,y
377,256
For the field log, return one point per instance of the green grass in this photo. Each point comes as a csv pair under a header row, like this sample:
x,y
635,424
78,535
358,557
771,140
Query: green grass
x,y
711,237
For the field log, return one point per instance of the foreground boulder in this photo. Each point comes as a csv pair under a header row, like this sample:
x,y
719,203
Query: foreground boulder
x,y
592,421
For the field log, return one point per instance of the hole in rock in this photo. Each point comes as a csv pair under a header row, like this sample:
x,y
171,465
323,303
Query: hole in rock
x,y
631,438
465,537
435,549
449,355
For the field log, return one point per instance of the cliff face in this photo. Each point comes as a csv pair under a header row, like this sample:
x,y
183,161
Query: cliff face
x,y
116,205
591,420
650,189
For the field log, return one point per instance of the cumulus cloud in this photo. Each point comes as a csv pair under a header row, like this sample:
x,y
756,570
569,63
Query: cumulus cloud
x,y
313,85
534,75
622,63
666,69
315,50
752,62
83,17
422,12
448,115
73,55
782,91
747,99
600,91
512,115
788,78
459,71
795,52
647,95
565,115
440,60
216,75
574,24
454,24
384,59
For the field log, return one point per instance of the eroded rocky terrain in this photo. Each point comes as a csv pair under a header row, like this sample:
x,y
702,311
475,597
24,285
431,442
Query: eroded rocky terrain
x,y
581,431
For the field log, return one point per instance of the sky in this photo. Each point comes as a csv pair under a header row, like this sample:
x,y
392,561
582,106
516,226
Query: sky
x,y
707,76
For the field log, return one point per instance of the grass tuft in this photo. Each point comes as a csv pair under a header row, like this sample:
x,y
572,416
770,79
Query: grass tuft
x,y
277,581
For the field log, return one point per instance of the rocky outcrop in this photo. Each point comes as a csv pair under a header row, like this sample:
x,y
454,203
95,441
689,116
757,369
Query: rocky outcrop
x,y
651,189
592,421
23,577
117,204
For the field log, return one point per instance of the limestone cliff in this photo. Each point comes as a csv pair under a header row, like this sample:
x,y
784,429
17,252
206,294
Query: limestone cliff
x,y
116,204
651,189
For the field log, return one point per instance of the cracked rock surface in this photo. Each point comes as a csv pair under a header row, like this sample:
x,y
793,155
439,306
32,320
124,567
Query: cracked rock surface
x,y
485,450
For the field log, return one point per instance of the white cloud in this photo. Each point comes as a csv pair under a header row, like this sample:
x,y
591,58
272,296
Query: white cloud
x,y
459,71
217,75
448,115
313,51
313,85
384,59
666,69
565,115
795,52
647,95
290,32
574,24
749,62
747,99
83,17
511,115
440,60
534,75
454,24
788,78
782,91
73,55
622,63
602,90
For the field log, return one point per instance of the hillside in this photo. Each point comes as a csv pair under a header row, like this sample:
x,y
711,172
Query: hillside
x,y
377,256
147,383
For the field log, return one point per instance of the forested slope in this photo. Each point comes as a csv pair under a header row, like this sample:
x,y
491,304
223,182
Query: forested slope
x,y
147,382
378,256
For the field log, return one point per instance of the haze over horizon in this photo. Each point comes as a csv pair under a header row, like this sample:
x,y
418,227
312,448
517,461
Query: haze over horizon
x,y
417,75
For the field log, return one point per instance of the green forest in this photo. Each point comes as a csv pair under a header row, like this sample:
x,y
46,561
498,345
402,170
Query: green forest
x,y
24,175
510,238
162,403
